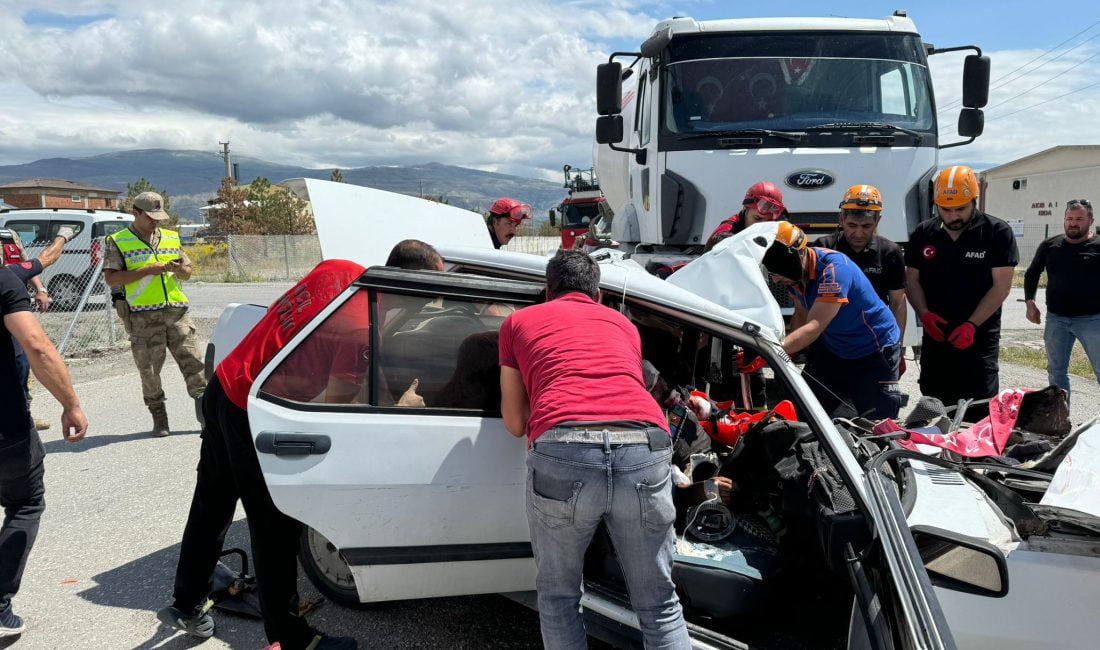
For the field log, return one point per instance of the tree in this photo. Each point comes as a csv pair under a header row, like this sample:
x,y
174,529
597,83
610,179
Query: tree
x,y
337,176
228,215
259,208
144,185
277,211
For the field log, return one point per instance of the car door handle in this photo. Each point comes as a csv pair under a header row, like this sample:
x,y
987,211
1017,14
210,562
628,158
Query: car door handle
x,y
292,444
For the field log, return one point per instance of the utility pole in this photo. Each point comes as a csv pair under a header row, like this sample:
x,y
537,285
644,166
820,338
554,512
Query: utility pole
x,y
225,157
421,189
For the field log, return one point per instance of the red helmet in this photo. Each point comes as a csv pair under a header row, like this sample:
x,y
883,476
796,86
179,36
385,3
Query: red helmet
x,y
513,209
768,199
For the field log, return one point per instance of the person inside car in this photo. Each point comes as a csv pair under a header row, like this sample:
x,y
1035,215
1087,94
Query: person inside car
x,y
229,468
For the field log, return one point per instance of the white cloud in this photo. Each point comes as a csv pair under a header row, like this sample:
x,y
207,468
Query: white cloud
x,y
493,84
1010,132
478,82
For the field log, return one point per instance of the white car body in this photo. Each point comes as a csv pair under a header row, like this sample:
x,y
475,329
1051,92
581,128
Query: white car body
x,y
67,279
450,519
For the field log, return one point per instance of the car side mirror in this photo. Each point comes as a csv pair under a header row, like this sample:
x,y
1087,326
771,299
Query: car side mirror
x,y
609,88
962,563
971,122
609,129
975,81
553,217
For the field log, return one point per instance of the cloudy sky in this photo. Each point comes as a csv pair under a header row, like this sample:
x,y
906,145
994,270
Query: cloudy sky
x,y
503,85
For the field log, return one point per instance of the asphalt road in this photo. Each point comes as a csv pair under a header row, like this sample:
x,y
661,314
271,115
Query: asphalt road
x,y
117,503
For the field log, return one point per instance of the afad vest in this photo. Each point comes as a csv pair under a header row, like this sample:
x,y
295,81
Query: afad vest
x,y
10,251
151,292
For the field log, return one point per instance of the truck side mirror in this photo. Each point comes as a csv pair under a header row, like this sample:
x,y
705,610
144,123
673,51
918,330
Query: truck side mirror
x,y
609,89
971,122
975,81
553,217
962,563
609,129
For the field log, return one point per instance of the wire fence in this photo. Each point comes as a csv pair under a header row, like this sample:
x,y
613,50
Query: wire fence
x,y
80,318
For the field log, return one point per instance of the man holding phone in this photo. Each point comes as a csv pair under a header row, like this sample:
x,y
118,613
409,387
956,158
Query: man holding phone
x,y
148,262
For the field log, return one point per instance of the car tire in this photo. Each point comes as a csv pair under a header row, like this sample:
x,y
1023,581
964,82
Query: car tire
x,y
327,569
65,293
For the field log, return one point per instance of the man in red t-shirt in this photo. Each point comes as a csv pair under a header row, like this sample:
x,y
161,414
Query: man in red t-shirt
x,y
229,468
571,380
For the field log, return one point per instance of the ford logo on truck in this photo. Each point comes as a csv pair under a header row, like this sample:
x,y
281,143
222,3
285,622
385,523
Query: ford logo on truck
x,y
810,179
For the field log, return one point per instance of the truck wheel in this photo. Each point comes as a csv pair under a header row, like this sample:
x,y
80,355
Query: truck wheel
x,y
64,293
327,569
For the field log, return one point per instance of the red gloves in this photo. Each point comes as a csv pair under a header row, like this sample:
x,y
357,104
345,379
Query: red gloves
x,y
963,336
901,367
748,368
932,323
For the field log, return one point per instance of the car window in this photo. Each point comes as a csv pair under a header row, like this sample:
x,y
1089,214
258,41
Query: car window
x,y
330,365
108,228
32,232
439,353
56,225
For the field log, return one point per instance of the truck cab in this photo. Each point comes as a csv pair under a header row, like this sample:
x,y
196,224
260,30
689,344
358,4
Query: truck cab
x,y
706,109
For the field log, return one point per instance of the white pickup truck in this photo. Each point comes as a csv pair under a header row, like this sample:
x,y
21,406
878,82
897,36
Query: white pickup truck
x,y
857,543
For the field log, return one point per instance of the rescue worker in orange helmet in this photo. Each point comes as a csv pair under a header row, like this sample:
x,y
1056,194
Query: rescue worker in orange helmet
x,y
880,259
960,265
857,360
763,202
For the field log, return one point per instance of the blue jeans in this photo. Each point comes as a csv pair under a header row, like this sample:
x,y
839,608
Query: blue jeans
x,y
1059,335
571,488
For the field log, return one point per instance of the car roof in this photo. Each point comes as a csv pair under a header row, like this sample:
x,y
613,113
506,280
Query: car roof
x,y
618,275
85,214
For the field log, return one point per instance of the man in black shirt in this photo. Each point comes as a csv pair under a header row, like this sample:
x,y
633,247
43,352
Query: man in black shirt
x,y
959,273
1071,262
21,452
879,258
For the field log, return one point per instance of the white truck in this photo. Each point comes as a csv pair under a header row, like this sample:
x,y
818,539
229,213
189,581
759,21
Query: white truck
x,y
706,109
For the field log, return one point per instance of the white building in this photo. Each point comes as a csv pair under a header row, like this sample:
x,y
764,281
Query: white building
x,y
1031,193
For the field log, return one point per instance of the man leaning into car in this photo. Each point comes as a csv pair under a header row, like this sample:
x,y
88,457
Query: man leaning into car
x,y
571,380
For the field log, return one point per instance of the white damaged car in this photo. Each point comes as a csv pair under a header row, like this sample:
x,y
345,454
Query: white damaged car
x,y
836,538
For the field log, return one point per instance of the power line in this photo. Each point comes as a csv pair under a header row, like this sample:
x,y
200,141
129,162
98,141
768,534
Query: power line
x,y
1078,64
958,102
1045,101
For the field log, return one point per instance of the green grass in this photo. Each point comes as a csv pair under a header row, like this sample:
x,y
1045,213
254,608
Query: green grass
x,y
1037,358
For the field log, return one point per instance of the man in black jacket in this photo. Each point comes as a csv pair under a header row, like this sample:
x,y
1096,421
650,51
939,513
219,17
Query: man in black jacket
x,y
1071,262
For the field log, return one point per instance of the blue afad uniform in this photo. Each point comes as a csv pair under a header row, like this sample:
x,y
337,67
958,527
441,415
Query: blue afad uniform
x,y
855,362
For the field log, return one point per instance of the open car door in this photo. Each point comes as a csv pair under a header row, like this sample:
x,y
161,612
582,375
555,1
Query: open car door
x,y
894,594
379,428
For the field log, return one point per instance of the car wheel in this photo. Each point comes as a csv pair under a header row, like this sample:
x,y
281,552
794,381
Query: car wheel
x,y
64,293
327,569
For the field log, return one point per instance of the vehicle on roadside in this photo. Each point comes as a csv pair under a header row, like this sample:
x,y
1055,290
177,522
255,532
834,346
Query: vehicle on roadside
x,y
68,278
581,207
702,110
840,538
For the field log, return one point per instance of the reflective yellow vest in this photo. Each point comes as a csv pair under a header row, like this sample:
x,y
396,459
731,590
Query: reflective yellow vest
x,y
151,292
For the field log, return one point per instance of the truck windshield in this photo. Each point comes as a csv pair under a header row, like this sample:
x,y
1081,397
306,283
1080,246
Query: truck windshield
x,y
579,215
791,81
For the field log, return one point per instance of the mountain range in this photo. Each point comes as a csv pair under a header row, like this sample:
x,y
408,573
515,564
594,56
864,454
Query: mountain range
x,y
192,177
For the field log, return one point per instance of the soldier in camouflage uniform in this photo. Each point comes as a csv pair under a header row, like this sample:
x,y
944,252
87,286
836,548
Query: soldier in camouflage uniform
x,y
149,264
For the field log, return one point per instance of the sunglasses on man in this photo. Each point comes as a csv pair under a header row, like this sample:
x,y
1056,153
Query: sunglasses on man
x,y
1074,202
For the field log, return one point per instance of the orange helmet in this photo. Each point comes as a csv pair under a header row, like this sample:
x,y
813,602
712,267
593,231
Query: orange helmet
x,y
862,197
955,187
784,256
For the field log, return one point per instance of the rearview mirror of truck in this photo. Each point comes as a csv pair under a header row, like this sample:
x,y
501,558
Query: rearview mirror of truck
x,y
553,217
609,89
609,129
971,122
975,81
962,563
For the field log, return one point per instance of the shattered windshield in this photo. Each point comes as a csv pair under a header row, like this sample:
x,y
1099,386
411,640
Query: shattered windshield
x,y
795,81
